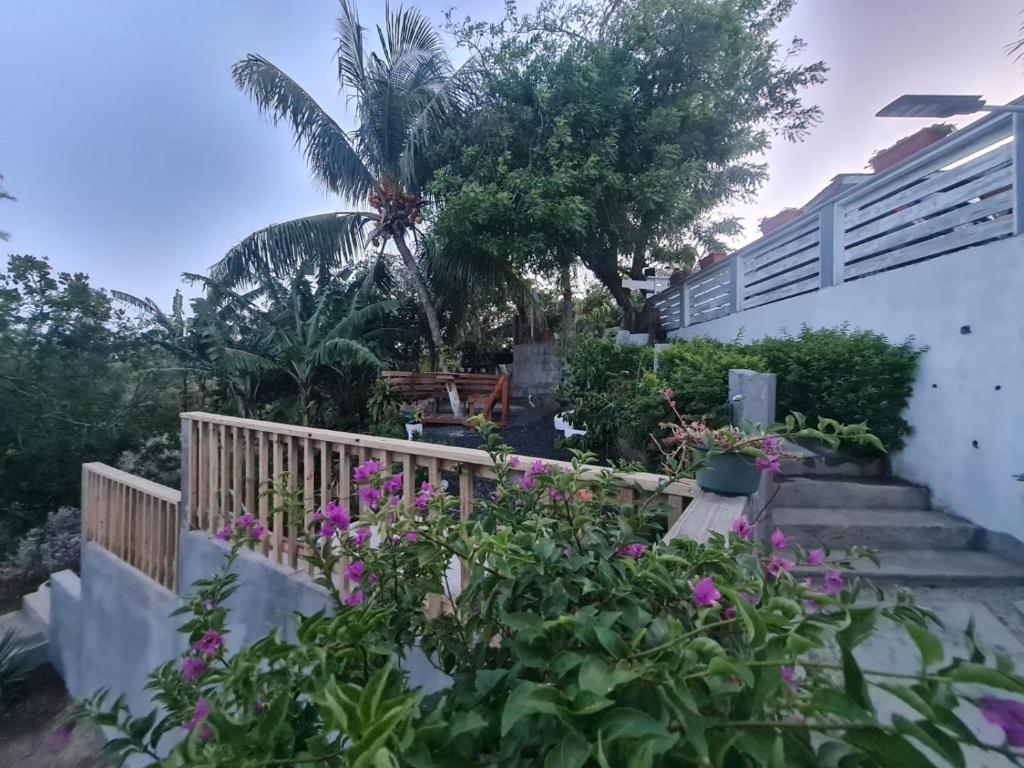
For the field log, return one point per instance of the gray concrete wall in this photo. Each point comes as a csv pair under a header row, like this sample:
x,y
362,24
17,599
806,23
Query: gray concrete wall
x,y
968,403
536,368
64,636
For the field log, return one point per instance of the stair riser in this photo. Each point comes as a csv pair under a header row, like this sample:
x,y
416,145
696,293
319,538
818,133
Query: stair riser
x,y
883,579
851,496
900,537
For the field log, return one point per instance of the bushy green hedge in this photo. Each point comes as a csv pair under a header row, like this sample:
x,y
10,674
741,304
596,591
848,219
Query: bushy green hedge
x,y
851,376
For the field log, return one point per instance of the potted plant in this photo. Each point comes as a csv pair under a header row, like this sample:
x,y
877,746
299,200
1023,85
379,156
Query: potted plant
x,y
412,415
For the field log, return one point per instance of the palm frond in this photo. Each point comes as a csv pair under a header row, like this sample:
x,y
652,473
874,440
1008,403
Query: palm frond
x,y
351,58
144,304
330,239
235,361
337,352
359,317
408,31
333,160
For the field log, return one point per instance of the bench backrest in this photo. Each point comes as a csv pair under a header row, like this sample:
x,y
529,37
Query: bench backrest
x,y
420,386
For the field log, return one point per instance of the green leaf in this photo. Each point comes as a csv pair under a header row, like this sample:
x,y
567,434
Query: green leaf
x,y
466,722
595,675
982,675
929,646
723,666
934,739
529,699
889,750
861,624
833,702
571,752
853,681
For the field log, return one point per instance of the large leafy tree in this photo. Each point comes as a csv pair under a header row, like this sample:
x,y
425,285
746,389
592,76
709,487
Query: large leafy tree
x,y
606,132
402,94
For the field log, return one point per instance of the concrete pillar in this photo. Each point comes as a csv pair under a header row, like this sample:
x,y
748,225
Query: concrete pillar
x,y
752,396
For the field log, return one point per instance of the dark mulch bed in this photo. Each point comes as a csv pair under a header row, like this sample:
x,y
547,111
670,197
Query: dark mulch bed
x,y
36,731
530,431
13,585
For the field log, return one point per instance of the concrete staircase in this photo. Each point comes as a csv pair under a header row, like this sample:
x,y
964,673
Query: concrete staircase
x,y
31,625
917,545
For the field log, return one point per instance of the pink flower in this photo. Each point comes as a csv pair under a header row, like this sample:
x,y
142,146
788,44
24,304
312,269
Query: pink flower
x,y
208,604
566,552
326,530
355,599
1006,714
202,711
788,677
244,521
742,528
770,464
210,643
556,495
337,516
816,557
584,495
729,613
833,582
704,594
373,578
635,551
257,532
370,496
224,533
364,473
777,566
537,468
362,535
411,537
527,483
771,444
514,462
394,485
192,669
354,571
749,598
779,540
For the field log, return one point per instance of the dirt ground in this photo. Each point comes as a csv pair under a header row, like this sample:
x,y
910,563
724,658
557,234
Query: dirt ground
x,y
36,733
14,584
530,431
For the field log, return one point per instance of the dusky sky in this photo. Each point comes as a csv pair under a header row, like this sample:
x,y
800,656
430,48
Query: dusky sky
x,y
134,158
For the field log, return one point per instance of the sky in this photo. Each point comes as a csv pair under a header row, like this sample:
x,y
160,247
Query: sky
x,y
134,158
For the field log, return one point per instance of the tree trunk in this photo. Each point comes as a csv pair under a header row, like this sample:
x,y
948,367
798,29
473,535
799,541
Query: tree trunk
x,y
428,309
568,312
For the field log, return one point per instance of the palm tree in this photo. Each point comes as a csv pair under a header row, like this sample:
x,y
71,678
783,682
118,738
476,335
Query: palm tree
x,y
403,96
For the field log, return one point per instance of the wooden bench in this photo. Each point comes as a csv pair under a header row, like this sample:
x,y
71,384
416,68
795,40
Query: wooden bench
x,y
479,393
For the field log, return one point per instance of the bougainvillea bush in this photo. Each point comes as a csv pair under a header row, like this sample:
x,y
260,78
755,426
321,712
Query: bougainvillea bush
x,y
579,639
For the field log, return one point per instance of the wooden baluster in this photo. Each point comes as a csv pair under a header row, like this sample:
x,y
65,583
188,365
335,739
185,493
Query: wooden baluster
x,y
203,474
275,500
212,474
223,495
293,485
467,497
409,482
194,480
250,473
236,474
261,479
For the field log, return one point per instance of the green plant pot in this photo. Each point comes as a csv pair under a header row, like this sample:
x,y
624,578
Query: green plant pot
x,y
730,474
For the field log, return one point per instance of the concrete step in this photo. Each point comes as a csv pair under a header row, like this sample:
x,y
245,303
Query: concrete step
x,y
895,529
36,607
31,635
843,493
935,568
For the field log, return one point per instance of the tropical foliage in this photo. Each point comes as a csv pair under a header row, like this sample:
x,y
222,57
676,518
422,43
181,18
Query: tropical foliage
x,y
578,639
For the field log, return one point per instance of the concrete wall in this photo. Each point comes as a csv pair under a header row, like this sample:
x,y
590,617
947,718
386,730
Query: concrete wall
x,y
536,368
967,409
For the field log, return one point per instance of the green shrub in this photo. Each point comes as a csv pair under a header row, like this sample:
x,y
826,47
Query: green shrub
x,y
697,372
51,547
847,375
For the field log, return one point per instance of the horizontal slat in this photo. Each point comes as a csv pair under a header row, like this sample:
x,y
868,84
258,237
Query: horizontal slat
x,y
709,302
711,281
711,314
762,259
933,227
140,484
804,286
795,260
707,288
798,273
936,182
929,248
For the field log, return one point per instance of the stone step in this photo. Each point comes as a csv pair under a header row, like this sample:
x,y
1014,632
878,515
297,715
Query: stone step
x,y
36,607
841,493
934,568
895,529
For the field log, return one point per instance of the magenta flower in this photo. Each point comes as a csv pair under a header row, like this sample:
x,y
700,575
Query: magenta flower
x,y
257,532
208,604
537,468
556,495
566,552
337,516
373,578
514,462
370,496
210,643
355,599
816,557
202,711
394,485
1008,715
729,613
635,551
426,494
527,483
704,594
771,444
779,540
788,677
770,464
224,534
192,669
354,571
778,565
742,528
362,535
364,473
833,582
326,530
244,521
318,516
411,537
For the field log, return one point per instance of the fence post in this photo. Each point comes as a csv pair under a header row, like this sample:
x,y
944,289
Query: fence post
x,y
830,245
752,396
1018,173
735,285
685,293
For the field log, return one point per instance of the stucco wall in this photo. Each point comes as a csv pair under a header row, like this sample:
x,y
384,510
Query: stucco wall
x,y
536,368
967,409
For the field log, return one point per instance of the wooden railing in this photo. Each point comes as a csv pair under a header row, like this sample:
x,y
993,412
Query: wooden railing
x,y
963,191
231,461
132,518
